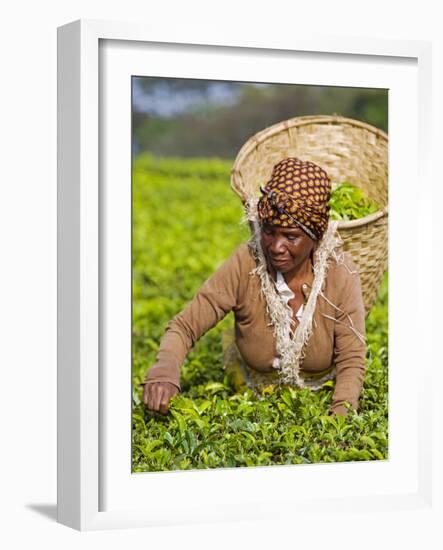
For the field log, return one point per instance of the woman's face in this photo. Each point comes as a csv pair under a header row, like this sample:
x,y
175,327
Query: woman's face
x,y
286,248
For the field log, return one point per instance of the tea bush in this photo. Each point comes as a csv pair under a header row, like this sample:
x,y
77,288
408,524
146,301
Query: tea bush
x,y
185,224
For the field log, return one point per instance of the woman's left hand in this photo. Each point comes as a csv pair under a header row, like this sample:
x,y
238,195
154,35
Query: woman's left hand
x,y
156,396
339,410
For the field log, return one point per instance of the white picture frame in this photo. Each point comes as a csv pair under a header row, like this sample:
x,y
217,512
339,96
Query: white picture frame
x,y
93,493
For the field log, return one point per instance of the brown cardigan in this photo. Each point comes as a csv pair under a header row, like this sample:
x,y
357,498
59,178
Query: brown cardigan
x,y
233,287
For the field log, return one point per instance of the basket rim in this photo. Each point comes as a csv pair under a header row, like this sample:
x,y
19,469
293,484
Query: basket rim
x,y
366,220
255,140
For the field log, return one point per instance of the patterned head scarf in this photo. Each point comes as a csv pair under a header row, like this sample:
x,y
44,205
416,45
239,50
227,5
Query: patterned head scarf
x,y
297,194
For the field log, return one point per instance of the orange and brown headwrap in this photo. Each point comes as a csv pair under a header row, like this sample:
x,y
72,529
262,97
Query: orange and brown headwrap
x,y
297,194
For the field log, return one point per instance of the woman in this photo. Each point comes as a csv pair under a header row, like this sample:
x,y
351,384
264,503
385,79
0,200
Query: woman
x,y
296,297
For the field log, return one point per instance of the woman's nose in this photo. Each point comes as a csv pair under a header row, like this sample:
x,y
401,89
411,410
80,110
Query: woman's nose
x,y
276,246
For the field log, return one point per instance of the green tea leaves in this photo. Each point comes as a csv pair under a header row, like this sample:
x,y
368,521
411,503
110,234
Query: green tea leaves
x,y
349,202
177,203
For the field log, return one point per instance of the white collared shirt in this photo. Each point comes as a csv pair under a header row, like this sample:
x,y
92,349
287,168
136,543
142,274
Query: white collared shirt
x,y
286,294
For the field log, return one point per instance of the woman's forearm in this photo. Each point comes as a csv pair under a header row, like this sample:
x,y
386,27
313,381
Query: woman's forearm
x,y
213,301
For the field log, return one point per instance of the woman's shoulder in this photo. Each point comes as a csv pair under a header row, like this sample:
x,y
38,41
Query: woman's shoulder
x,y
344,290
240,261
342,267
244,255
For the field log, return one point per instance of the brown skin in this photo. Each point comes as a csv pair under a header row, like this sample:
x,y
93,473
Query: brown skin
x,y
289,250
156,396
339,410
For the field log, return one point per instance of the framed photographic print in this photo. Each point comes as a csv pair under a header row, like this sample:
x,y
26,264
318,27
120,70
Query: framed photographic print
x,y
163,147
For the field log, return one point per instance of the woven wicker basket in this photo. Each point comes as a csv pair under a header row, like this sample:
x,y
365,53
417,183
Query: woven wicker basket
x,y
348,150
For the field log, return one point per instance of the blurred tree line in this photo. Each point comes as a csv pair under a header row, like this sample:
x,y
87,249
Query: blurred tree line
x,y
201,118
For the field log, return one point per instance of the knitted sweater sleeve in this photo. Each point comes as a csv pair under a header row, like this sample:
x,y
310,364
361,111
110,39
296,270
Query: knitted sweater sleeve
x,y
349,340
216,298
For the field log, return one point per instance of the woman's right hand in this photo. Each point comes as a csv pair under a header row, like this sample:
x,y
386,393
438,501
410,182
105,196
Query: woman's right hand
x,y
156,396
